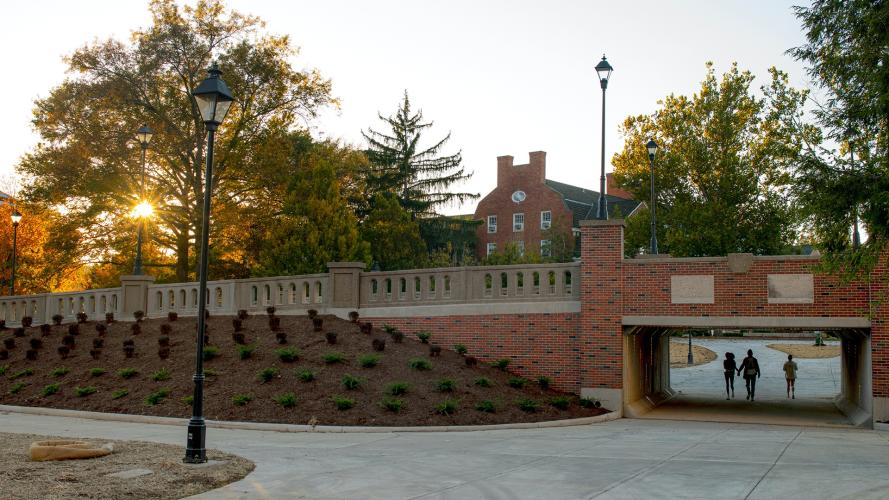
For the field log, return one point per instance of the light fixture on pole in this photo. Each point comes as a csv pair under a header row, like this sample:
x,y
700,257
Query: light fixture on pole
x,y
652,149
143,135
213,99
16,218
603,69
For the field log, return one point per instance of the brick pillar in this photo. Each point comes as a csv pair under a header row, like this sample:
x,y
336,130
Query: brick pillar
x,y
879,338
601,303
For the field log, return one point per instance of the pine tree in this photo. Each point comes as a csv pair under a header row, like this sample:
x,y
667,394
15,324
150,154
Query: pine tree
x,y
419,178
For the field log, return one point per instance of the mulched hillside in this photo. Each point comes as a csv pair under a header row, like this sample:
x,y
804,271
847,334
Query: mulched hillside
x,y
447,393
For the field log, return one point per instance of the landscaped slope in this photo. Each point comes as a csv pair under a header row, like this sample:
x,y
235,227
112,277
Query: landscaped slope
x,y
256,378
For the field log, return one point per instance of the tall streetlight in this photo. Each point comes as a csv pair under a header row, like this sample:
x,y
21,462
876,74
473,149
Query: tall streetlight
x,y
16,218
603,69
143,135
213,99
652,149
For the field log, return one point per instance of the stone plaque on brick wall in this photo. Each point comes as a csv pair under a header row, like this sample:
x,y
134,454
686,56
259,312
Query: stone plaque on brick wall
x,y
791,289
692,289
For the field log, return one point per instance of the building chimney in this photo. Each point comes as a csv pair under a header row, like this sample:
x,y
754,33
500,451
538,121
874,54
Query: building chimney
x,y
504,164
537,162
614,190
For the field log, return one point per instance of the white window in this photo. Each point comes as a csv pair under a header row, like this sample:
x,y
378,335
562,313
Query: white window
x,y
520,245
492,223
518,222
492,248
545,250
546,219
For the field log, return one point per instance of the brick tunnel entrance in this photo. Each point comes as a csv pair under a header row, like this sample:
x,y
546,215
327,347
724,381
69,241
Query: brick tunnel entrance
x,y
830,391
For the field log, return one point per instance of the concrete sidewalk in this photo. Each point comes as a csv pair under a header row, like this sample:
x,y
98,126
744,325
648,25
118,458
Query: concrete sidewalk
x,y
619,459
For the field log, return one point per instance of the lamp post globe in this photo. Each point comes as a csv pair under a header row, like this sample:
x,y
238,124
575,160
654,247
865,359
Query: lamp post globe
x,y
603,70
651,146
143,135
16,218
213,100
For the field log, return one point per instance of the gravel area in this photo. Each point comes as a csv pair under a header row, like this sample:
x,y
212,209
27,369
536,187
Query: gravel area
x,y
679,355
804,351
20,478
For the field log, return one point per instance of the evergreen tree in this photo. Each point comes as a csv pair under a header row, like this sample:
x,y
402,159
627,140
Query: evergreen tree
x,y
419,178
846,50
394,235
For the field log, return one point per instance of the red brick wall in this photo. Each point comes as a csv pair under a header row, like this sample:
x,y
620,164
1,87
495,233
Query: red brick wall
x,y
511,178
537,344
879,329
742,294
601,295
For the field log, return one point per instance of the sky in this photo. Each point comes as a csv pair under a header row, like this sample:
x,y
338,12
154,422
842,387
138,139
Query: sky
x,y
504,77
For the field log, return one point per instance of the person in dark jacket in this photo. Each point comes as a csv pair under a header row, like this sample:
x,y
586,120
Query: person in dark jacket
x,y
750,368
729,367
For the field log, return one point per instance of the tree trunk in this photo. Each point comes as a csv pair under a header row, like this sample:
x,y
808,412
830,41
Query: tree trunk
x,y
182,248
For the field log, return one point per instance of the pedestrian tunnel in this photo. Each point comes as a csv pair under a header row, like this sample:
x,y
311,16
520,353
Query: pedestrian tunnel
x,y
833,390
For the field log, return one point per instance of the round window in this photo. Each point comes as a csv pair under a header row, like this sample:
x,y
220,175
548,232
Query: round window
x,y
518,196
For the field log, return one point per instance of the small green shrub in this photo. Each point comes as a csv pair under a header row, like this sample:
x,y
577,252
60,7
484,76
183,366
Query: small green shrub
x,y
128,372
369,360
397,388
331,358
305,375
486,406
544,382
560,402
160,375
17,387
266,374
188,400
483,382
445,385
3,369
460,349
446,407
97,372
343,403
209,372
389,329
589,403
85,391
501,364
350,382
27,372
392,404
287,354
157,396
528,405
424,337
287,400
51,389
245,351
419,364
242,399
119,393
210,352
517,382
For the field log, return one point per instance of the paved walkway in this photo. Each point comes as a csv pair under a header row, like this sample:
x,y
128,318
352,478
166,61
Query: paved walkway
x,y
642,459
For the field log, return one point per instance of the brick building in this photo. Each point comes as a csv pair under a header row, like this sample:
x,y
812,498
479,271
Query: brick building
x,y
525,205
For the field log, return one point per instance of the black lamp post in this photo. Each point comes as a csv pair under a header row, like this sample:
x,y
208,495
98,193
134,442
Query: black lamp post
x,y
652,149
213,99
603,69
143,135
16,218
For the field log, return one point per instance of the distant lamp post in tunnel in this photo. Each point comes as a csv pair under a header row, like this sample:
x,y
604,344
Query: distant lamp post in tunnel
x,y
652,149
691,358
213,99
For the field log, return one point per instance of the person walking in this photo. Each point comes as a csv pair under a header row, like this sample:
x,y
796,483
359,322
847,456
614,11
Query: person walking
x,y
729,366
790,369
750,368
